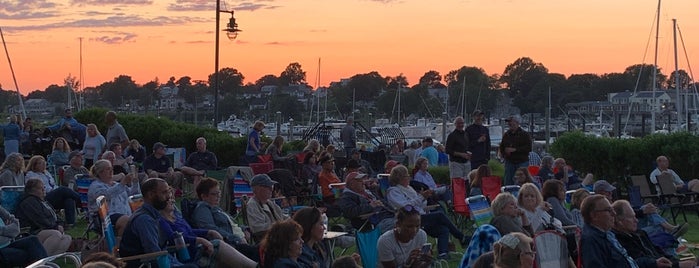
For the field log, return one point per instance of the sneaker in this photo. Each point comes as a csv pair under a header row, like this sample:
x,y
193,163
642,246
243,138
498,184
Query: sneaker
x,y
680,230
443,256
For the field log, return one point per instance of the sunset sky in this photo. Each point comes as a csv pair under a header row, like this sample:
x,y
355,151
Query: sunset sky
x,y
148,39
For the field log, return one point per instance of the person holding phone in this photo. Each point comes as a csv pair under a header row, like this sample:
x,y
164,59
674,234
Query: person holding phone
x,y
404,242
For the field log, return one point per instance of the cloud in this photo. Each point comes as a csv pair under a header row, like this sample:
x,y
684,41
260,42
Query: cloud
x,y
96,13
111,2
247,6
111,22
27,9
319,30
115,38
208,5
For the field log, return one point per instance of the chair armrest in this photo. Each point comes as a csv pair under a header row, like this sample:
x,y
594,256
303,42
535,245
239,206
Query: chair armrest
x,y
145,257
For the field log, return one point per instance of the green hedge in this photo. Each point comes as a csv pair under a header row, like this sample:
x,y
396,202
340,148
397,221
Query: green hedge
x,y
614,159
440,174
150,129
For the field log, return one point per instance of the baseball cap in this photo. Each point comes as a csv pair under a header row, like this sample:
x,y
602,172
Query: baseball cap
x,y
262,180
354,175
74,154
158,145
602,185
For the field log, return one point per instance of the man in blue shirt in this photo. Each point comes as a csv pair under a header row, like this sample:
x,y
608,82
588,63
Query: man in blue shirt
x,y
429,152
142,233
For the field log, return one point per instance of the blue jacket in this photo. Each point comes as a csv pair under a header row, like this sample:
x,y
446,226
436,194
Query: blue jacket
x,y
597,251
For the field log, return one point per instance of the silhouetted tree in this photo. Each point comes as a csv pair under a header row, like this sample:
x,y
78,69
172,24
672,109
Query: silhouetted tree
x,y
431,79
230,81
645,72
292,75
684,78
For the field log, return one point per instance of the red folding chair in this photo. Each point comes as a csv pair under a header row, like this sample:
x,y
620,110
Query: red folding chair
x,y
461,212
261,168
491,187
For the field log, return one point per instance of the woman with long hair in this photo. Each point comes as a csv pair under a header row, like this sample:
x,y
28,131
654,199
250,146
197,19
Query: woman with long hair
x,y
12,170
93,146
522,176
282,245
315,252
481,172
554,192
60,197
536,210
59,153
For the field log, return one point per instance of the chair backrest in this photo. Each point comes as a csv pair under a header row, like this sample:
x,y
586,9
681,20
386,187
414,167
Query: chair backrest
x,y
107,229
481,242
135,202
481,212
241,188
261,168
9,197
551,249
644,186
367,246
491,186
458,188
83,183
264,158
337,188
384,184
513,189
635,196
533,170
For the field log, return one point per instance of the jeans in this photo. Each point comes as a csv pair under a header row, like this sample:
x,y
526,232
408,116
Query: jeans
x,y
66,199
510,171
652,223
22,252
436,224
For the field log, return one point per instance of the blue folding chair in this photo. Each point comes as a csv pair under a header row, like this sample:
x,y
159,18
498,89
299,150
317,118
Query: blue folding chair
x,y
513,189
481,213
9,197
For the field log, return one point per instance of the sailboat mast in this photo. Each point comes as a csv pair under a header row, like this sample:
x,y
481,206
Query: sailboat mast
x,y
655,70
678,104
19,95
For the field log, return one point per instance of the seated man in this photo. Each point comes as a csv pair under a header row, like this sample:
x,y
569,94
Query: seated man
x,y
637,243
199,162
650,220
142,234
75,167
159,166
358,204
663,168
566,174
261,211
365,167
598,245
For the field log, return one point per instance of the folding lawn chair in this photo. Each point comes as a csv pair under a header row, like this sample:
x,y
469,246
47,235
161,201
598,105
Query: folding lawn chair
x,y
678,203
9,197
551,249
512,189
481,213
460,210
367,246
491,186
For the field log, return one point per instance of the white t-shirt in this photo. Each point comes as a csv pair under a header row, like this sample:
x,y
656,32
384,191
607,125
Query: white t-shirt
x,y
392,250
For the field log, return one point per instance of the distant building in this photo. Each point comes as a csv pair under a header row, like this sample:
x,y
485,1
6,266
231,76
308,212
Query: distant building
x,y
169,98
35,107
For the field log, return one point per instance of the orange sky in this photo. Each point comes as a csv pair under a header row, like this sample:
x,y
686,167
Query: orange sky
x,y
146,39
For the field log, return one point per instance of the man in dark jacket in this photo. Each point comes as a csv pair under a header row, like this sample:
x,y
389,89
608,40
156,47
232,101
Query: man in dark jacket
x,y
457,149
514,148
358,204
479,140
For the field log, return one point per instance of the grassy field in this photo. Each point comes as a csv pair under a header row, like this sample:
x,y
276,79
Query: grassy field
x,y
692,236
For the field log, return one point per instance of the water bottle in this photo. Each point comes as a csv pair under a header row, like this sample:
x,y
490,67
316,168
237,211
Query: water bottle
x,y
325,222
181,247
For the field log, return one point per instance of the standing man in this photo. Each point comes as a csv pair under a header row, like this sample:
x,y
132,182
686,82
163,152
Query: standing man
x,y
429,152
349,137
514,148
479,140
115,132
457,149
598,245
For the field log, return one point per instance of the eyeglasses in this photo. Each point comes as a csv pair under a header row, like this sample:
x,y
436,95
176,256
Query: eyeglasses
x,y
609,209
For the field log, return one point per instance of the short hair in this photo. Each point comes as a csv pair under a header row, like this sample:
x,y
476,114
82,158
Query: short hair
x,y
307,217
547,161
419,161
529,188
618,207
577,197
397,174
403,213
551,188
200,139
32,184
589,205
500,201
107,154
205,185
99,166
114,145
507,257
258,125
150,185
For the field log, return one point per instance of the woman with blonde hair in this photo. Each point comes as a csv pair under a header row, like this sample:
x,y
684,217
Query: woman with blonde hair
x,y
59,154
509,218
12,170
531,201
60,197
482,171
93,146
514,250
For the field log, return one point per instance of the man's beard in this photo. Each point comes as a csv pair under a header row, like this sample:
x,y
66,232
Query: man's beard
x,y
160,204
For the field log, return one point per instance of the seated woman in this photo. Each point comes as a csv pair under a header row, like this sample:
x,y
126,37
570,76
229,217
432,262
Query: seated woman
x,y
60,197
508,217
396,246
436,224
575,200
209,215
212,247
531,201
310,171
136,151
59,153
514,251
422,175
522,176
17,252
313,147
481,172
117,194
12,170
316,252
283,245
554,193
38,214
280,160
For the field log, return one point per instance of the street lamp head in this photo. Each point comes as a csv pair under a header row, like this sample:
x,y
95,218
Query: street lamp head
x,y
232,28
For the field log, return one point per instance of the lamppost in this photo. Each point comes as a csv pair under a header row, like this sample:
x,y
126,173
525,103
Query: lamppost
x,y
232,32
